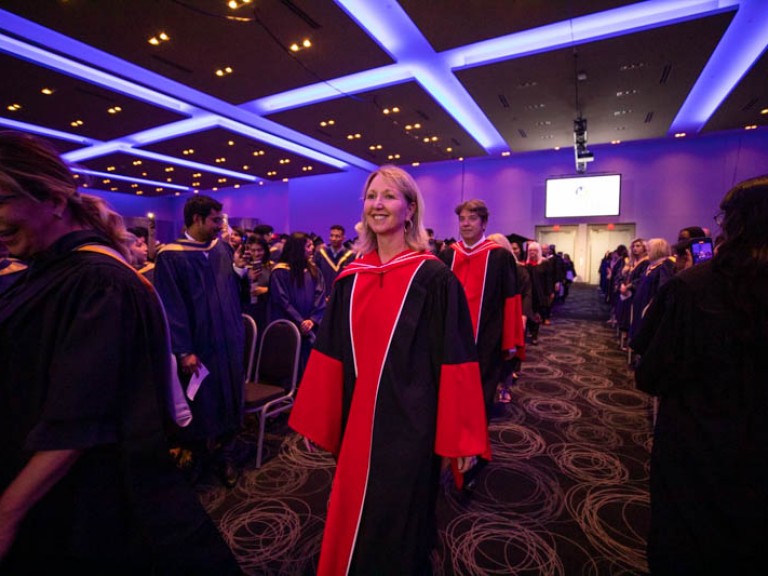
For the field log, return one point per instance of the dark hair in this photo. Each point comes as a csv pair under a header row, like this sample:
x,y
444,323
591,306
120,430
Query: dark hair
x,y
201,206
31,166
690,232
476,206
743,255
263,229
255,239
293,255
339,227
140,232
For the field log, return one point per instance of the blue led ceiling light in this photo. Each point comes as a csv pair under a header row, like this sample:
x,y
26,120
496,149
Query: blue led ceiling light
x,y
742,44
90,74
43,131
389,25
332,89
589,28
117,74
113,176
141,153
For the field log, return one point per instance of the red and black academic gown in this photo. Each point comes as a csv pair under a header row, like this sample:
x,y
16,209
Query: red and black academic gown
x,y
392,384
488,274
199,290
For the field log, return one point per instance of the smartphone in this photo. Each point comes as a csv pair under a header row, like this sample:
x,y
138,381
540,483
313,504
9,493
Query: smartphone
x,y
701,250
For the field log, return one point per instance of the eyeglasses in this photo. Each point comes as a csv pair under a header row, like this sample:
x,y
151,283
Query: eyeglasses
x,y
719,217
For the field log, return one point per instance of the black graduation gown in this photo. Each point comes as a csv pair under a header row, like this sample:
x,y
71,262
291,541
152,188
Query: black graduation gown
x,y
655,276
392,384
488,274
201,299
83,346
709,464
331,265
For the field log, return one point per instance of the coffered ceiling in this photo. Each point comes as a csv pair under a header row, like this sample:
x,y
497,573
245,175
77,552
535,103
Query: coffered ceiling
x,y
159,97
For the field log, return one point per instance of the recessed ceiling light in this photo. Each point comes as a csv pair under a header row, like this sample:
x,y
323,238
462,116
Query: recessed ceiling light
x,y
751,127
506,153
615,141
415,163
680,135
47,91
764,111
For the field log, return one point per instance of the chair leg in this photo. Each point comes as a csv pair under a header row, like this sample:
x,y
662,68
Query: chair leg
x,y
260,440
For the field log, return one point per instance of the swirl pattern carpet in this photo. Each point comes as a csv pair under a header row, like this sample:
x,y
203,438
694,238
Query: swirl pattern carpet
x,y
566,493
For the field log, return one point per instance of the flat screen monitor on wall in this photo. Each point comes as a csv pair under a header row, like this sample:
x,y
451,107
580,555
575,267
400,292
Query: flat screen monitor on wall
x,y
575,196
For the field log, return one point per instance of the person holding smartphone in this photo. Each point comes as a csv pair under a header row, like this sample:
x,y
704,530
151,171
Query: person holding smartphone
x,y
702,353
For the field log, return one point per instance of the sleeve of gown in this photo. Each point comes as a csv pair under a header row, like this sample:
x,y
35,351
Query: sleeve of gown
x,y
167,272
664,337
279,293
317,411
462,429
513,331
318,299
87,365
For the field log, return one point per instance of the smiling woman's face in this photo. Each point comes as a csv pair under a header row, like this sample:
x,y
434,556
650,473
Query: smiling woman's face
x,y
385,207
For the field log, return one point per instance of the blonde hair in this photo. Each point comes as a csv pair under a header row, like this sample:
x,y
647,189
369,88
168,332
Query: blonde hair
x,y
658,248
528,247
415,234
501,240
31,166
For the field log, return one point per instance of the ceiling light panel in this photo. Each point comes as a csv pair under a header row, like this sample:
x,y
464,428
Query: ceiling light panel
x,y
364,115
603,62
214,144
75,99
254,45
470,21
151,171
745,104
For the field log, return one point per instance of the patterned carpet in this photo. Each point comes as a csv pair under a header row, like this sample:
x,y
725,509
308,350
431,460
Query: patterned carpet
x,y
566,493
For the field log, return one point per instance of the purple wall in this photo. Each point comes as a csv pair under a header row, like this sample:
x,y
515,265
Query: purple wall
x,y
666,185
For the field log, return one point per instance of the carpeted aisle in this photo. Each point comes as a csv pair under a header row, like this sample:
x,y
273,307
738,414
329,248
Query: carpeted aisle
x,y
566,493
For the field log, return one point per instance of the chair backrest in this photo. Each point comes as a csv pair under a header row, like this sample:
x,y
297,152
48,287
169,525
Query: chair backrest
x,y
278,360
249,358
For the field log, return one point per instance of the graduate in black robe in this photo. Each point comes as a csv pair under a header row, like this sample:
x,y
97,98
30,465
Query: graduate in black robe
x,y
332,258
702,352
199,289
392,386
87,485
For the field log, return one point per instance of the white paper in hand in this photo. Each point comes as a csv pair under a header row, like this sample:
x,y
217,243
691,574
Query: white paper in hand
x,y
196,381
